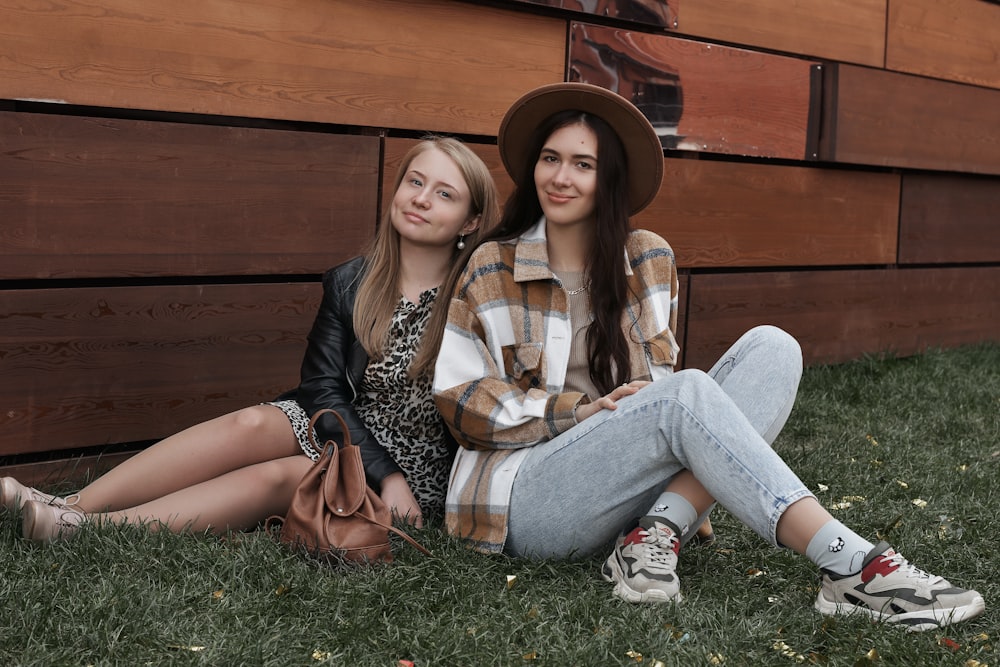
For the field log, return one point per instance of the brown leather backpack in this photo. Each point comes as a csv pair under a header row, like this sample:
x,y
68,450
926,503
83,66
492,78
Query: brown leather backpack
x,y
334,514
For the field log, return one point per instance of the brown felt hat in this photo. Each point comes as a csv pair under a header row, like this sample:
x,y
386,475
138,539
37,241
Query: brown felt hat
x,y
643,151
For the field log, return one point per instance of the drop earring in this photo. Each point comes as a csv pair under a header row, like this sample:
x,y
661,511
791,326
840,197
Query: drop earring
x,y
461,242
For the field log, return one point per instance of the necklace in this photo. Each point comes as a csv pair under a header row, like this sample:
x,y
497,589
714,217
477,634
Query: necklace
x,y
579,290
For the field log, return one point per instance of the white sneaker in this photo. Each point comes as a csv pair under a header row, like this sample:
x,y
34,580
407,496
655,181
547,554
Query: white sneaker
x,y
888,588
643,565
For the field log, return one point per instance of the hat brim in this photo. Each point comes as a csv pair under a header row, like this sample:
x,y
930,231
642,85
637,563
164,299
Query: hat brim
x,y
643,151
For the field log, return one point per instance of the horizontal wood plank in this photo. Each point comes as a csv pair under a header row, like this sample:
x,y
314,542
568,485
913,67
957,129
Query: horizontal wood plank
x,y
703,97
100,197
842,30
729,214
842,314
416,64
947,39
62,475
92,366
877,117
949,218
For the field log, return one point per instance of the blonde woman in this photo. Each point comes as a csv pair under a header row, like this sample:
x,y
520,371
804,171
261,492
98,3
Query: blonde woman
x,y
369,356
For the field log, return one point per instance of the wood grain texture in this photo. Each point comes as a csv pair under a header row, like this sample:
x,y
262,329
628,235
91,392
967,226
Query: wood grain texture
x,y
71,472
735,101
844,30
884,118
947,39
417,64
728,214
92,366
842,314
949,218
98,197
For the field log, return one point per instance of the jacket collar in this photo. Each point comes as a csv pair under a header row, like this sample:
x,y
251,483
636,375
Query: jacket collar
x,y
531,256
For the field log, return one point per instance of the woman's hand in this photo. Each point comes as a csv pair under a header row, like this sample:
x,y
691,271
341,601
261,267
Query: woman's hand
x,y
609,402
398,497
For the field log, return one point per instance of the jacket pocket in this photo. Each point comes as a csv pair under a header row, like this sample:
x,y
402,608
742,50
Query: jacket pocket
x,y
522,363
662,349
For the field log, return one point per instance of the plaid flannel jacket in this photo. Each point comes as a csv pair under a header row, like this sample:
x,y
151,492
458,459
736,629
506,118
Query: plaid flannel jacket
x,y
499,376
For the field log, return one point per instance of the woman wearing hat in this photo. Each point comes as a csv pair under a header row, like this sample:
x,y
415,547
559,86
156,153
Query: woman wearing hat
x,y
556,376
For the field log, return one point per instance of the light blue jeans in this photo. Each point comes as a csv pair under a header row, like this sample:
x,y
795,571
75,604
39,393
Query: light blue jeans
x,y
574,494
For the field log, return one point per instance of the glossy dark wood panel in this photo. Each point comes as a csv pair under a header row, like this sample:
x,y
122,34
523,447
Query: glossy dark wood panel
x,y
947,218
840,315
415,64
656,13
91,366
704,97
97,197
877,117
732,214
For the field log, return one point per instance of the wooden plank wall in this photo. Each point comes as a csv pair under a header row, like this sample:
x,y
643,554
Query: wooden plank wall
x,y
174,178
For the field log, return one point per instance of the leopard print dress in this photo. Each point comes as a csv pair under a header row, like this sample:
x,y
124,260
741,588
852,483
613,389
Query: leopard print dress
x,y
399,411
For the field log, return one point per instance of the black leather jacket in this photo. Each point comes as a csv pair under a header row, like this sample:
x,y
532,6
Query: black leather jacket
x,y
333,368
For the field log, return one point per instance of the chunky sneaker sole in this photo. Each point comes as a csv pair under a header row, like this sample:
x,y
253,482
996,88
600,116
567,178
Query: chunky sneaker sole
x,y
643,565
890,589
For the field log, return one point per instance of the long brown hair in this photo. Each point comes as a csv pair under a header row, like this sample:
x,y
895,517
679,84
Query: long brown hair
x,y
608,353
379,291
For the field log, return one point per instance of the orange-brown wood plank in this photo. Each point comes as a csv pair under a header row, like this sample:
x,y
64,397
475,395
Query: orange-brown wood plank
x,y
730,214
841,315
92,366
704,97
947,39
843,30
418,64
87,197
878,117
949,218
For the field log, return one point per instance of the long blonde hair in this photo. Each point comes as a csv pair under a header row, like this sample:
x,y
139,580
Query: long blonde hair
x,y
379,290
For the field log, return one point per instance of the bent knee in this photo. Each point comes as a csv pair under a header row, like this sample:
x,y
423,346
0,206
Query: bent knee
x,y
778,340
259,419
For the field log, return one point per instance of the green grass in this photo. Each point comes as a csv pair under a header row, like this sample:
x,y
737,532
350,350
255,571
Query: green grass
x,y
879,433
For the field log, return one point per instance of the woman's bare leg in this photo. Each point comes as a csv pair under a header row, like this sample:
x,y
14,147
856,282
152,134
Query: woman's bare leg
x,y
204,451
236,500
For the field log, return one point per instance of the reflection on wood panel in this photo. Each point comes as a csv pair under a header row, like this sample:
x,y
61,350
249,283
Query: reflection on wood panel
x,y
659,13
704,97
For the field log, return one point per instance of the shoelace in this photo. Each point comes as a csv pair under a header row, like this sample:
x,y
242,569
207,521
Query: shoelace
x,y
908,569
666,542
